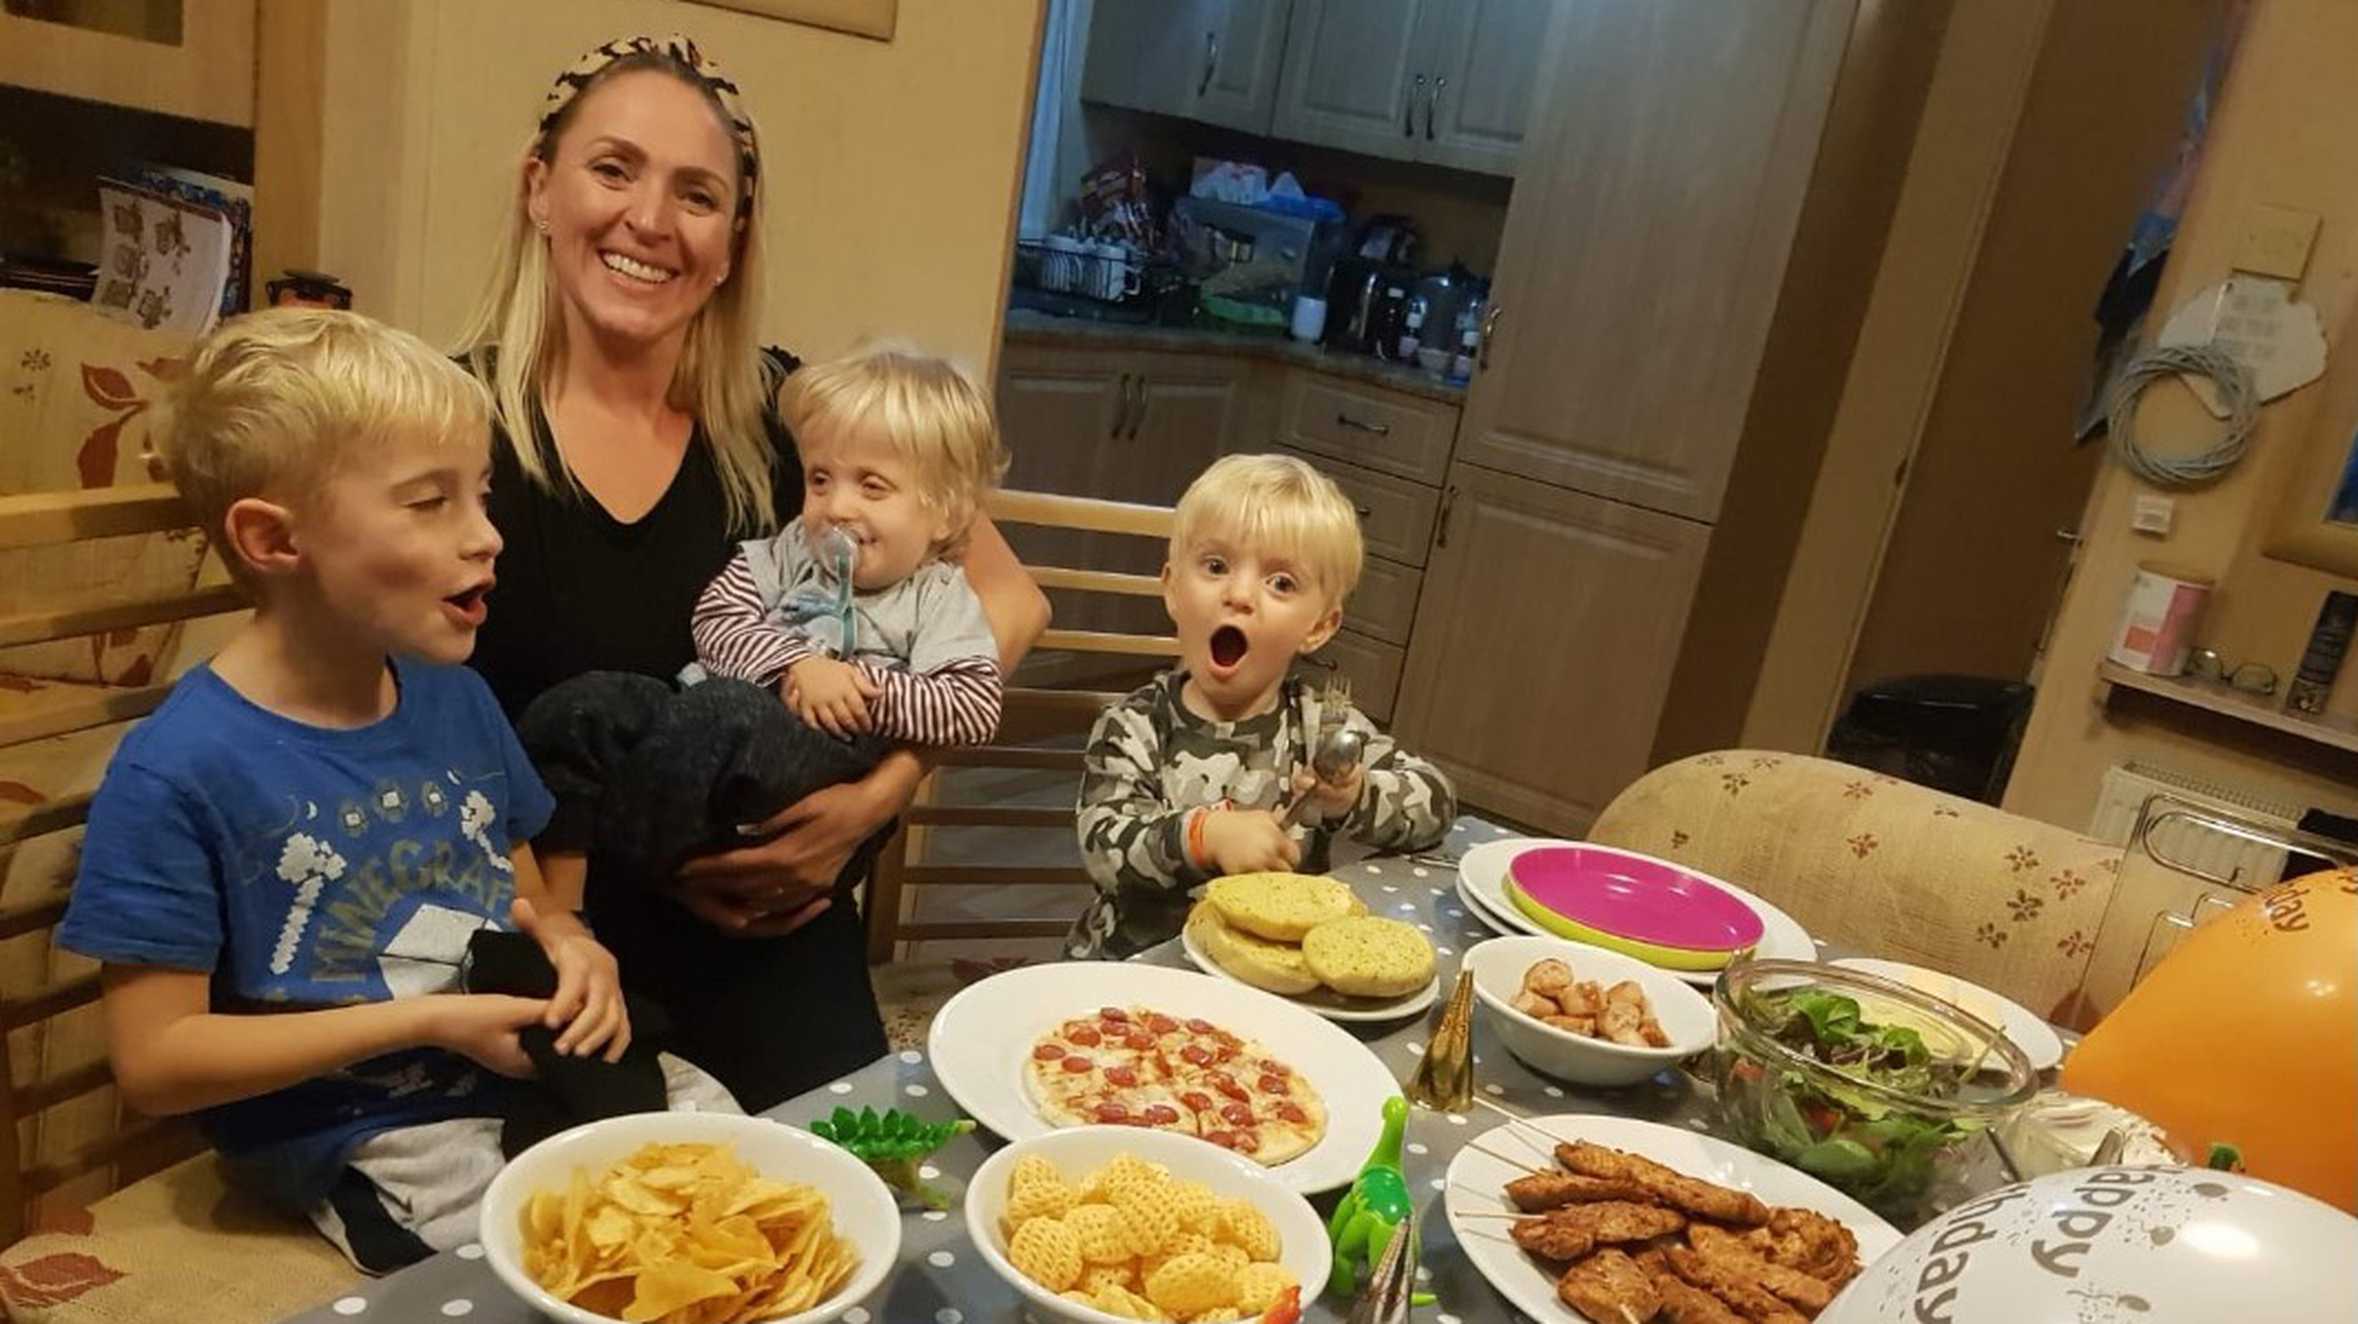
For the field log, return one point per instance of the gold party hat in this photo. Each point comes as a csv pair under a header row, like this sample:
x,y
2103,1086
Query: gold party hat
x,y
1444,1080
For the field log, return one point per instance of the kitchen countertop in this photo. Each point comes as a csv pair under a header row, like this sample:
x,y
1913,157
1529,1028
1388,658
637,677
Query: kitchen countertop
x,y
1031,327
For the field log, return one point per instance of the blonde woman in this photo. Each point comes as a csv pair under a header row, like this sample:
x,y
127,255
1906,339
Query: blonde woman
x,y
638,443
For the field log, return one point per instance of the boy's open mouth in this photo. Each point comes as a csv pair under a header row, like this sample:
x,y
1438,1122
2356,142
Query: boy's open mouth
x,y
469,605
1229,646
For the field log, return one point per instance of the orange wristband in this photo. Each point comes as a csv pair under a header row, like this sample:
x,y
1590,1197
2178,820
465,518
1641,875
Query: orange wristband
x,y
1195,837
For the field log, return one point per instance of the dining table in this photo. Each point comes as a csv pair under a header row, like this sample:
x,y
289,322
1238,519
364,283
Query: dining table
x,y
941,1278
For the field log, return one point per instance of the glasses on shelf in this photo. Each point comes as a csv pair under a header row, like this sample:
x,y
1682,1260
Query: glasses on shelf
x,y
2251,677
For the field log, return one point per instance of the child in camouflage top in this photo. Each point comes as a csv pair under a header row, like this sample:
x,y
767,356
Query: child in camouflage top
x,y
1189,778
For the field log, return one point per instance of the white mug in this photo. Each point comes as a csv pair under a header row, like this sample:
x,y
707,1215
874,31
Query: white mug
x,y
1309,318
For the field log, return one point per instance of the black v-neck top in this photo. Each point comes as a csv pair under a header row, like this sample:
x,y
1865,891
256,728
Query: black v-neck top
x,y
580,590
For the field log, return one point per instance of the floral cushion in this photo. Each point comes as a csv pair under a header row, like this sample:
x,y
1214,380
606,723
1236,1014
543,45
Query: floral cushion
x,y
179,1246
1883,866
80,398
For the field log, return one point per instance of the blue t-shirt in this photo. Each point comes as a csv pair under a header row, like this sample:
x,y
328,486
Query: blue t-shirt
x,y
305,867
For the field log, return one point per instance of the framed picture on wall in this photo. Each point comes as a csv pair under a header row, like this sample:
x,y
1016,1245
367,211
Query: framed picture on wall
x,y
866,18
2316,517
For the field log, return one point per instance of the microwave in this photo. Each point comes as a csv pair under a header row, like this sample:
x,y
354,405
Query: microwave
x,y
1252,255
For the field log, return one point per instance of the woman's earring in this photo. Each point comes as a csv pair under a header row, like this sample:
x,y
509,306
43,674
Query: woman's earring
x,y
542,226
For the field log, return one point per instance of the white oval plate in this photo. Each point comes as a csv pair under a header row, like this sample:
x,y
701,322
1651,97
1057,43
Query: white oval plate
x,y
1324,1001
1482,871
1477,1186
980,1039
2036,1038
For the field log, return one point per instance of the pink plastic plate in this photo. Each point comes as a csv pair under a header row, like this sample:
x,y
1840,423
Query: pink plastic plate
x,y
1637,900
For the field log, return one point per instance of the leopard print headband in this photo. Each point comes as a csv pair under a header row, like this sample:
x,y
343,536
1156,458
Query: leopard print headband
x,y
683,50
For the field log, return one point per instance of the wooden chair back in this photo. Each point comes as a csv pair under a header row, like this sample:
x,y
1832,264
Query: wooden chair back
x,y
64,1136
1035,716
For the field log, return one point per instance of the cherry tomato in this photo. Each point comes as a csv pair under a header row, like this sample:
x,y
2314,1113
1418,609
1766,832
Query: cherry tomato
x,y
1195,1054
1196,1100
1272,1085
1138,1040
1162,1114
1227,1085
1160,1023
1276,1068
1112,1112
1047,1052
1292,1113
1076,1064
1113,1014
1084,1035
1237,1114
1199,1025
1123,1076
1223,1139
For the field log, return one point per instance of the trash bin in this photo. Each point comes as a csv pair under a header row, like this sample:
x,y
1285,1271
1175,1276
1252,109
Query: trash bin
x,y
1952,733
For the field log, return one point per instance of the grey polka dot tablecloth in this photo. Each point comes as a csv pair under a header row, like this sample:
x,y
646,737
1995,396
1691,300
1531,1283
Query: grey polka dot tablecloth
x,y
942,1278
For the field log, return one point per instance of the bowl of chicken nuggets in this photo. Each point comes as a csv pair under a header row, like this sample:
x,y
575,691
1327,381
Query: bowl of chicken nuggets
x,y
689,1218
1586,1015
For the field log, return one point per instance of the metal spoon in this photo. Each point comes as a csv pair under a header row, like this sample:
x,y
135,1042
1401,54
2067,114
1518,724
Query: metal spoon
x,y
1336,758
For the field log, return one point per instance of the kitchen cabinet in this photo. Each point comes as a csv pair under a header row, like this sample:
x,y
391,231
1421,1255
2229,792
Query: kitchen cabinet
x,y
1211,60
1643,254
1445,82
1540,662
1121,425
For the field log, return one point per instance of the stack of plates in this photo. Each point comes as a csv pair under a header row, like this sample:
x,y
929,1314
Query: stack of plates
x,y
1483,877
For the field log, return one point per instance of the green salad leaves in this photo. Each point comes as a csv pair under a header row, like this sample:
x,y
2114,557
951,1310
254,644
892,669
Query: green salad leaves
x,y
1851,1138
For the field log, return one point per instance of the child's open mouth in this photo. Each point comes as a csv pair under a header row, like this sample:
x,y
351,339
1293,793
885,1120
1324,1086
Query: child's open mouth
x,y
469,607
1229,647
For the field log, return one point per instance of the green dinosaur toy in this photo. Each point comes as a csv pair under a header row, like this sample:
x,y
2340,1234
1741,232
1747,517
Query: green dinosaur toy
x,y
892,1144
1376,1203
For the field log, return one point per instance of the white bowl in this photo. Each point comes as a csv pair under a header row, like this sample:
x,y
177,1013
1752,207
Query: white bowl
x,y
1301,1234
859,1204
1684,1014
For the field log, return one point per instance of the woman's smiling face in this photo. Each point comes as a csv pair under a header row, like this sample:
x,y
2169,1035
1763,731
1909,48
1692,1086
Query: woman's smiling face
x,y
639,205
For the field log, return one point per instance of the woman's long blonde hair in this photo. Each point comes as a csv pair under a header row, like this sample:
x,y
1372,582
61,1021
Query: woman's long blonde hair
x,y
515,341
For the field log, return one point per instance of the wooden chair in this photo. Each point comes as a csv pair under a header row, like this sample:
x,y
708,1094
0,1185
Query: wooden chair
x,y
1046,528
63,1135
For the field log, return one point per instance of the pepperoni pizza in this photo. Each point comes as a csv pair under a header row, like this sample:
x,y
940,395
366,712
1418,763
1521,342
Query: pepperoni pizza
x,y
1139,1067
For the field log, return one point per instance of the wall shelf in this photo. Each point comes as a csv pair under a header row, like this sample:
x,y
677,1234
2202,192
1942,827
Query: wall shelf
x,y
2263,710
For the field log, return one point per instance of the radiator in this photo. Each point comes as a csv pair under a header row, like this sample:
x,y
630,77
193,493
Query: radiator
x,y
2253,865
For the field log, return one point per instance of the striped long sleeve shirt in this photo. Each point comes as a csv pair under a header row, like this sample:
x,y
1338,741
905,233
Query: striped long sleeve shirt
x,y
924,641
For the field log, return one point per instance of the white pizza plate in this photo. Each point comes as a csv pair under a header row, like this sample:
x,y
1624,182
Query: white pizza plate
x,y
1481,874
1477,1188
981,1038
2033,1036
1324,1001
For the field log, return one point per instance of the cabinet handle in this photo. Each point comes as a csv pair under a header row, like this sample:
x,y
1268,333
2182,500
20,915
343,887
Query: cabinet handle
x,y
1121,410
1365,512
1441,522
1380,429
1408,114
1211,62
1138,416
1431,97
1490,331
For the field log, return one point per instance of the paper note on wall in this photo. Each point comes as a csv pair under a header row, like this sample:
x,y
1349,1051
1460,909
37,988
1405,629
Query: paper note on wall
x,y
2279,341
164,259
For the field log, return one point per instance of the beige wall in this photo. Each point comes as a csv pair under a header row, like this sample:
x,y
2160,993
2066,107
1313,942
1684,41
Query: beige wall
x,y
2282,136
892,167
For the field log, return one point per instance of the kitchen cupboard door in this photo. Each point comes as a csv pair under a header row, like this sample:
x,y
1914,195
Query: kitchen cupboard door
x,y
1059,411
1350,69
1654,208
1230,53
1482,58
1544,643
1128,62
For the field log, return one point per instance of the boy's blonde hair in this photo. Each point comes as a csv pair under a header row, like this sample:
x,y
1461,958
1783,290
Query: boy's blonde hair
x,y
1276,504
936,418
273,400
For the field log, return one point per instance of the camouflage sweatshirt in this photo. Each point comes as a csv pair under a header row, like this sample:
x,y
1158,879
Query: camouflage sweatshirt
x,y
1150,761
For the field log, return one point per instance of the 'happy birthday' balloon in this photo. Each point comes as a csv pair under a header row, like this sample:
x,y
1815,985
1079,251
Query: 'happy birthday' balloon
x,y
2118,1246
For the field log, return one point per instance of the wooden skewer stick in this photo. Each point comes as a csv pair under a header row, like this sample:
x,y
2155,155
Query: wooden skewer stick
x,y
1521,1124
1500,1213
1478,1147
1472,1194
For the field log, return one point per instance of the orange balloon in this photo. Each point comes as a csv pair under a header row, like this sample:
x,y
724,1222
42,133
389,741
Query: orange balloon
x,y
2247,1034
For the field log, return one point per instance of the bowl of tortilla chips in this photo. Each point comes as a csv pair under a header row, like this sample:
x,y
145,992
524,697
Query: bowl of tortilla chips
x,y
689,1218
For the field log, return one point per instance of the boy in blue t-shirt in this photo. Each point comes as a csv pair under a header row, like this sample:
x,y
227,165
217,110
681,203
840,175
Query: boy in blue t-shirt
x,y
286,862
